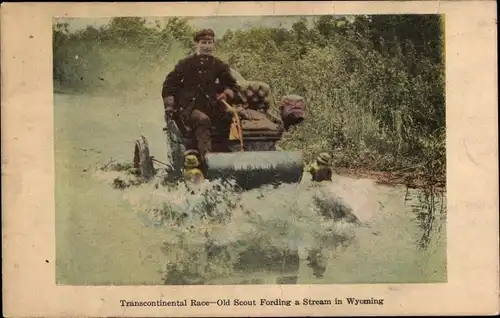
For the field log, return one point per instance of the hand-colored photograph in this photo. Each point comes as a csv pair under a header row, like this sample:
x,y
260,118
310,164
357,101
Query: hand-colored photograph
x,y
250,150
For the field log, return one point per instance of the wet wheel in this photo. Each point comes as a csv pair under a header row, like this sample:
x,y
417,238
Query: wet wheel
x,y
143,162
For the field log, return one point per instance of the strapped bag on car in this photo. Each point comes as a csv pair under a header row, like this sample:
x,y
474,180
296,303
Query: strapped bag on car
x,y
293,110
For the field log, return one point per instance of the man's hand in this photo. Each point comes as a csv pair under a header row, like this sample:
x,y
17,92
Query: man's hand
x,y
221,96
226,95
168,103
169,112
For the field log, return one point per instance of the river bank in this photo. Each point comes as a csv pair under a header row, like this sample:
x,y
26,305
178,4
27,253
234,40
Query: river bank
x,y
387,178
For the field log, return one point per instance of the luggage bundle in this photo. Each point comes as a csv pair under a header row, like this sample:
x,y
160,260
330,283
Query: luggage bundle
x,y
293,110
259,97
258,94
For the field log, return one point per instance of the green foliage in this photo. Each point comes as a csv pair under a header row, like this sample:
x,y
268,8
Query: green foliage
x,y
112,57
374,84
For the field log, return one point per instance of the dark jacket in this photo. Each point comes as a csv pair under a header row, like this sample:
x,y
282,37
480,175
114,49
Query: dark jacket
x,y
195,77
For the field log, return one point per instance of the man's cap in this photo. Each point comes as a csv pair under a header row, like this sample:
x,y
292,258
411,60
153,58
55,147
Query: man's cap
x,y
191,152
205,34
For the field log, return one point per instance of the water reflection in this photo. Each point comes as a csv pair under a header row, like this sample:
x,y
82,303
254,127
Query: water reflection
x,y
430,210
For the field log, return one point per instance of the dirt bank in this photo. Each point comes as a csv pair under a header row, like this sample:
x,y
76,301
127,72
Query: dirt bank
x,y
389,178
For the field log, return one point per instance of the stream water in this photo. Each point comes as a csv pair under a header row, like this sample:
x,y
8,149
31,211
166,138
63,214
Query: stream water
x,y
115,236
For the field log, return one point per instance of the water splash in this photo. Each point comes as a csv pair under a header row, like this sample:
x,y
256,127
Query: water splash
x,y
213,231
